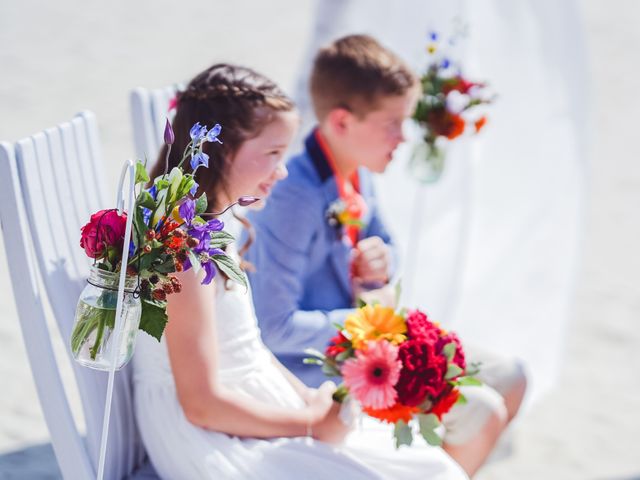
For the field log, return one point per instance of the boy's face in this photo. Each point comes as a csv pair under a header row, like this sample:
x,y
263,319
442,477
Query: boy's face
x,y
371,140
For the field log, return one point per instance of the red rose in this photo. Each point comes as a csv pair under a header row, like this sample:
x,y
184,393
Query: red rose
x,y
105,229
336,345
423,372
459,357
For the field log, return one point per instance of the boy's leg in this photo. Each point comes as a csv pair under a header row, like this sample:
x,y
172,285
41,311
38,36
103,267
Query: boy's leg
x,y
473,429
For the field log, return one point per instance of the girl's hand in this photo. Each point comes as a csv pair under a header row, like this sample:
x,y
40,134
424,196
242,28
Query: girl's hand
x,y
328,426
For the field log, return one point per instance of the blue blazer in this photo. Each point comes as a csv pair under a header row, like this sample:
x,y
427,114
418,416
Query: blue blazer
x,y
301,285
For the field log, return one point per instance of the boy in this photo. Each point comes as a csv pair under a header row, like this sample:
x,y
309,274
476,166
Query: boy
x,y
320,242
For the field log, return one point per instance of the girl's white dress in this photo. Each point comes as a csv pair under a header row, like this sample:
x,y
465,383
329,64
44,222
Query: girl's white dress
x,y
182,451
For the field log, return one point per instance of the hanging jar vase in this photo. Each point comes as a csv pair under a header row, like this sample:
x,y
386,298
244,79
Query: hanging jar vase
x,y
93,343
427,161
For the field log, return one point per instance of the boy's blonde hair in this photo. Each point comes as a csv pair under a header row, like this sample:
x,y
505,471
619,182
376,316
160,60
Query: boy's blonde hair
x,y
353,73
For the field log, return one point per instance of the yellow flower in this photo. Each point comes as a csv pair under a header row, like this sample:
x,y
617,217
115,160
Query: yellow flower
x,y
375,323
175,214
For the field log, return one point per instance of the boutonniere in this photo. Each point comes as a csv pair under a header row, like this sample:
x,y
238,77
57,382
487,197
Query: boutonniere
x,y
340,215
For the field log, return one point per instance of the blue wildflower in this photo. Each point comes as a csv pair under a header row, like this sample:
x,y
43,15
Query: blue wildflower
x,y
146,215
194,189
199,158
212,136
197,132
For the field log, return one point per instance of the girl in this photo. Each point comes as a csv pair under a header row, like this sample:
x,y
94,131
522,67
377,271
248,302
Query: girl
x,y
211,401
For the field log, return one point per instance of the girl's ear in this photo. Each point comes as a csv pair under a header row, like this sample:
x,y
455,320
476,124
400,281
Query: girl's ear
x,y
339,120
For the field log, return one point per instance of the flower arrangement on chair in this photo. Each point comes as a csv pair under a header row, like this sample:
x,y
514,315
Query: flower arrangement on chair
x,y
447,109
399,366
170,234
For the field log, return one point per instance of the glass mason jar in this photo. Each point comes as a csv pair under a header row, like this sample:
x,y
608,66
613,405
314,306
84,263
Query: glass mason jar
x,y
92,337
427,162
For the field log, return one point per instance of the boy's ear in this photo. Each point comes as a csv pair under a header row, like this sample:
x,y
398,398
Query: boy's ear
x,y
339,120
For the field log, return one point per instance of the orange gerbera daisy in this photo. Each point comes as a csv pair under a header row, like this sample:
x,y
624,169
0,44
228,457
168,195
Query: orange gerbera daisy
x,y
375,323
393,414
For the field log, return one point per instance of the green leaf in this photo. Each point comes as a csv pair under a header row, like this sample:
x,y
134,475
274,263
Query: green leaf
x,y
402,433
449,350
230,268
221,239
360,303
473,369
461,400
168,266
342,356
428,424
201,204
161,183
154,318
147,259
467,381
145,200
330,369
312,361
453,371
397,291
195,262
141,173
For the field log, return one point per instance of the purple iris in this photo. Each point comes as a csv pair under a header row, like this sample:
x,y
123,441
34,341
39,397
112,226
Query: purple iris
x,y
199,158
188,210
212,136
203,233
210,270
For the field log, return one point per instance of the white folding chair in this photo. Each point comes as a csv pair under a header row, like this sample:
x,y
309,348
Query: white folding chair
x,y
51,183
149,109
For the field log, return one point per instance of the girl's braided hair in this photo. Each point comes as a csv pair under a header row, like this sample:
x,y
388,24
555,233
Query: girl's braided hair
x,y
238,98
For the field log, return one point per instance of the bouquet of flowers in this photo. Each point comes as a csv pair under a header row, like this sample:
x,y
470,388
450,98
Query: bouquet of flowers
x,y
447,108
401,368
169,235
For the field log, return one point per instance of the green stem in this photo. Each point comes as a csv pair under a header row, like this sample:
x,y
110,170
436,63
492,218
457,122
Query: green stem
x,y
99,335
340,394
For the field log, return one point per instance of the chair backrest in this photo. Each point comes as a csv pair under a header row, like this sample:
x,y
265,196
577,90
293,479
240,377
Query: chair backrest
x,y
149,109
52,183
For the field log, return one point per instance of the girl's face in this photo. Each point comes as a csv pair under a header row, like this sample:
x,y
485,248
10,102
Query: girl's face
x,y
259,162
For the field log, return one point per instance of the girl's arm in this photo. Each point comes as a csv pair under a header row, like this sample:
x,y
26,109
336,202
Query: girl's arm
x,y
192,345
301,389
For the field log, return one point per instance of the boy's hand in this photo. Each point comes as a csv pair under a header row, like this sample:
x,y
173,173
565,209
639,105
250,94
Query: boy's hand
x,y
385,296
371,261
